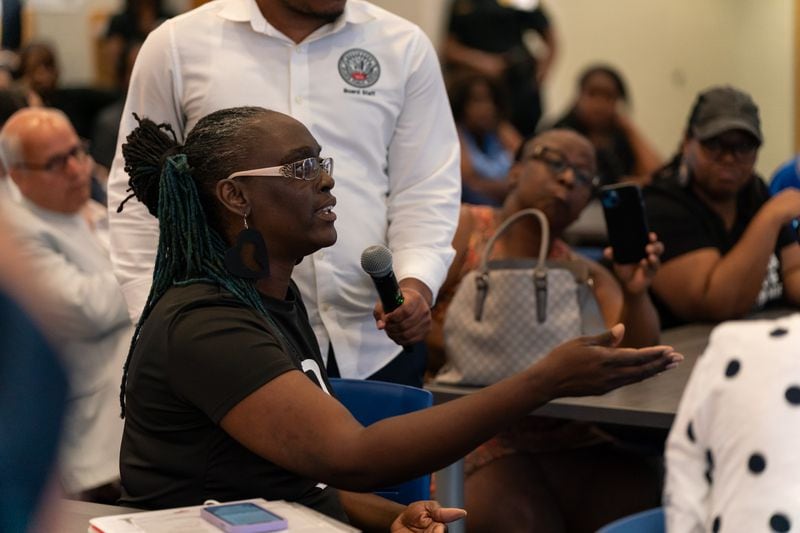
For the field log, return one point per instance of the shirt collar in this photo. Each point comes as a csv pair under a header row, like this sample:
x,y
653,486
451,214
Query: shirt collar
x,y
355,12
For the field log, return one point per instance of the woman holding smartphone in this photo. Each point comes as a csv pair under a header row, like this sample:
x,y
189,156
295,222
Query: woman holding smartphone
x,y
556,173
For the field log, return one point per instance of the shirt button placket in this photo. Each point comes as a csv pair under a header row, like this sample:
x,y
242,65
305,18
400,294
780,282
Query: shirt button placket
x,y
299,80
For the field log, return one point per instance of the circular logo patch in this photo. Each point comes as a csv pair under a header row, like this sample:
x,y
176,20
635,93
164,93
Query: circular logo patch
x,y
359,68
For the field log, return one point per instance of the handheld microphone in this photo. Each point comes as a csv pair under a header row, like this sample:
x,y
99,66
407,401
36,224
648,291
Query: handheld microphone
x,y
377,262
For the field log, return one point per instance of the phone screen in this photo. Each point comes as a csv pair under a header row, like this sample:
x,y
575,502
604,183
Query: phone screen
x,y
628,234
243,514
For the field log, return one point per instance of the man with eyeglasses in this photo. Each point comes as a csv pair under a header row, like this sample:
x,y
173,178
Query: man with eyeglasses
x,y
86,313
728,247
368,85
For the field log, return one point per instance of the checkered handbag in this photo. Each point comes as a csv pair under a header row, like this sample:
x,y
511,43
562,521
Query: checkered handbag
x,y
507,314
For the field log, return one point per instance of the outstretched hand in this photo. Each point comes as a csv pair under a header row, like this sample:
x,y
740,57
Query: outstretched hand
x,y
426,517
595,365
637,277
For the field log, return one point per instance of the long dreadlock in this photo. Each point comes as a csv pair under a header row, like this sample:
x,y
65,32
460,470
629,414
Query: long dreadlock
x,y
189,249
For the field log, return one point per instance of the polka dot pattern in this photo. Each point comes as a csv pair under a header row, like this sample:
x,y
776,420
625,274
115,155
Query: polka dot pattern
x,y
793,395
736,355
709,473
757,463
780,523
778,332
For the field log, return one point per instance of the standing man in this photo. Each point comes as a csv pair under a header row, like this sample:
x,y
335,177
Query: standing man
x,y
367,84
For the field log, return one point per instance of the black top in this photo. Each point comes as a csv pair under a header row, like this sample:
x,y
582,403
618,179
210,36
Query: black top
x,y
613,162
202,351
489,27
125,25
684,223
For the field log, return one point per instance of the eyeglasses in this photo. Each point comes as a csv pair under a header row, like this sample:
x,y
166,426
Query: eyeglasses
x,y
308,169
558,163
58,163
741,151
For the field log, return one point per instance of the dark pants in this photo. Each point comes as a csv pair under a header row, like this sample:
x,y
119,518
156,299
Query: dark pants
x,y
408,368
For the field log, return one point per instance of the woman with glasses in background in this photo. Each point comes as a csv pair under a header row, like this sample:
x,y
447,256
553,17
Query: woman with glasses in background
x,y
538,465
728,247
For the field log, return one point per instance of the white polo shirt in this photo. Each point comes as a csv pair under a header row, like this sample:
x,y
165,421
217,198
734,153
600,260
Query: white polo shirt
x,y
369,88
732,460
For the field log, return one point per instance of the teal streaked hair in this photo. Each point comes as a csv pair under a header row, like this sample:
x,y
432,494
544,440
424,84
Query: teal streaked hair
x,y
189,249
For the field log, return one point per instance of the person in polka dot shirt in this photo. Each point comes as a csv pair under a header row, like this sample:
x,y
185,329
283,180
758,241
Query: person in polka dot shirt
x,y
732,461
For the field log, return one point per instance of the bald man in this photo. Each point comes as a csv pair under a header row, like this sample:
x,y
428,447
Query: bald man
x,y
87,314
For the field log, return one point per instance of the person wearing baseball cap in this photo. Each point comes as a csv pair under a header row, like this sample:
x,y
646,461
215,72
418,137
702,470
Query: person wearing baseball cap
x,y
728,247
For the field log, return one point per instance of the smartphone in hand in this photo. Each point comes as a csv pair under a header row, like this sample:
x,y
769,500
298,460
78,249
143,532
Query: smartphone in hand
x,y
623,207
244,517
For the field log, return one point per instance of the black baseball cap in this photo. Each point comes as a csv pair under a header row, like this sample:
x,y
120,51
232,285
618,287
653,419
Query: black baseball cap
x,y
721,109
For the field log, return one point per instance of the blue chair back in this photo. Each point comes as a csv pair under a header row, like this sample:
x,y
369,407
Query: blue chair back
x,y
371,401
651,521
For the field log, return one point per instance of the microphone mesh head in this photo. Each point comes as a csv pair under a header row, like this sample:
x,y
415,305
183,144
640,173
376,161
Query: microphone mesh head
x,y
376,260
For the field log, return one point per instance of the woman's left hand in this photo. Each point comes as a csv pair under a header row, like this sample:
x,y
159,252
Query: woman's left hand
x,y
426,517
636,278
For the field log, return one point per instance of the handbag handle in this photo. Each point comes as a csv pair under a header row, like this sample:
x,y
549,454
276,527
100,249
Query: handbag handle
x,y
504,226
539,272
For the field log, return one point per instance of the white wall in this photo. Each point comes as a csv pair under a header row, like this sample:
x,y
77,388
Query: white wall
x,y
668,51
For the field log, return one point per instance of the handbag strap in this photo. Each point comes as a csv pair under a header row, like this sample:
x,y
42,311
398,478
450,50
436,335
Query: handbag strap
x,y
539,272
545,240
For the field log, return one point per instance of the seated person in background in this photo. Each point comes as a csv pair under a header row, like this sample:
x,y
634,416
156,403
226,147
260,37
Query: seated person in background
x,y
106,125
535,466
239,205
128,27
38,69
86,311
732,463
488,142
39,72
788,175
623,153
728,250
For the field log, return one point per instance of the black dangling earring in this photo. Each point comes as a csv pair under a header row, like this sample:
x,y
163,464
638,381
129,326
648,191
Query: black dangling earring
x,y
233,255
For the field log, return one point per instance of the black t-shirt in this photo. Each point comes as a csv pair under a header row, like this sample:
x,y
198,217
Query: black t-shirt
x,y
613,162
487,26
684,223
202,351
490,27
